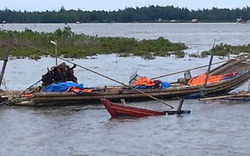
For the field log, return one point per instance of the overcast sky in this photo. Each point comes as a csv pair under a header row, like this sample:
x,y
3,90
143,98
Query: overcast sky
x,y
110,5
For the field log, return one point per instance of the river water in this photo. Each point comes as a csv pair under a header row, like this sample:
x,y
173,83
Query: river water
x,y
212,128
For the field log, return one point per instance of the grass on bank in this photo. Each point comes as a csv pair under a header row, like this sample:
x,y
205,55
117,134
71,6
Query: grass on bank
x,y
71,45
225,49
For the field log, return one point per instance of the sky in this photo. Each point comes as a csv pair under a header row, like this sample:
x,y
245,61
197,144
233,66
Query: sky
x,y
110,5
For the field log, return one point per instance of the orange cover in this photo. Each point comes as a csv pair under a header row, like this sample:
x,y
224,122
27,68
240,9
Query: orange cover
x,y
144,81
200,80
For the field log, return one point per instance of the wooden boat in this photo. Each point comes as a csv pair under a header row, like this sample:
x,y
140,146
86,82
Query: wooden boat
x,y
118,110
177,89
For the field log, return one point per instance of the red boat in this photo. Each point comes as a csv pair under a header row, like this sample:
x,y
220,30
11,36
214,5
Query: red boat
x,y
119,110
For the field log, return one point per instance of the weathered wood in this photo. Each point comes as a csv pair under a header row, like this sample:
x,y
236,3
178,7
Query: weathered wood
x,y
117,110
5,60
180,106
3,70
240,95
229,65
216,97
208,71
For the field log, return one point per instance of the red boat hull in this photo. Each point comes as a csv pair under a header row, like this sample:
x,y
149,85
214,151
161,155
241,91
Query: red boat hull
x,y
118,110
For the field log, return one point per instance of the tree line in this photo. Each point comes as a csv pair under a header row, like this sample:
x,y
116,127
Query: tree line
x,y
138,14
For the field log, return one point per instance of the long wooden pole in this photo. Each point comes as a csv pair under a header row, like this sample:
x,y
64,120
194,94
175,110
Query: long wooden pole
x,y
3,70
208,71
146,94
181,71
217,97
203,88
5,61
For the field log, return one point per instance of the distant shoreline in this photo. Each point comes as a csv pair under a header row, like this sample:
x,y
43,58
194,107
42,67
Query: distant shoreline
x,y
128,15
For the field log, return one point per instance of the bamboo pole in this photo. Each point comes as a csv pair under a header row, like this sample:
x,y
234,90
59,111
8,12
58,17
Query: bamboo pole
x,y
217,97
3,70
187,69
5,59
208,71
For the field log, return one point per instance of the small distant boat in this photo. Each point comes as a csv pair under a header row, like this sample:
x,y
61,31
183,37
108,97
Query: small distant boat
x,y
117,110
194,20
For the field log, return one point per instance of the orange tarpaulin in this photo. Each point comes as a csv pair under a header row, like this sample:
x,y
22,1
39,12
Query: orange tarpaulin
x,y
79,90
200,80
144,81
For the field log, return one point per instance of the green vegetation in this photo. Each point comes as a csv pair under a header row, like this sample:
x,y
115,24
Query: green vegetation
x,y
71,45
143,14
225,49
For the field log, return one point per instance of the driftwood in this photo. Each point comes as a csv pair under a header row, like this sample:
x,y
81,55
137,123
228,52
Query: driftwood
x,y
240,95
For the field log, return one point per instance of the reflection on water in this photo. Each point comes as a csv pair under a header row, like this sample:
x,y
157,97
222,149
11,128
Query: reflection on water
x,y
212,128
